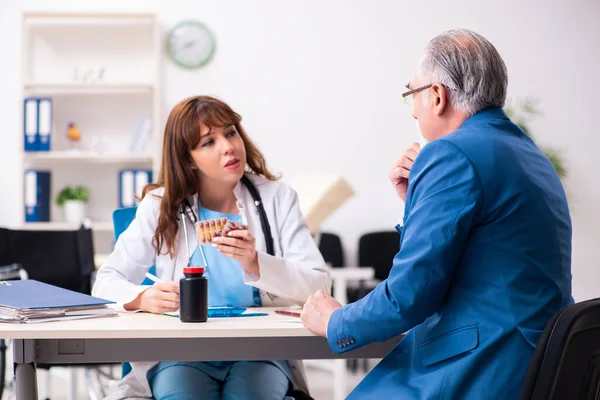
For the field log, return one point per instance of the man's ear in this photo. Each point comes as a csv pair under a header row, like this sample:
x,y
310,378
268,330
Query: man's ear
x,y
439,98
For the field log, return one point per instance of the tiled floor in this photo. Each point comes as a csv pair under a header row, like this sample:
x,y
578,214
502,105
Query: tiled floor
x,y
320,384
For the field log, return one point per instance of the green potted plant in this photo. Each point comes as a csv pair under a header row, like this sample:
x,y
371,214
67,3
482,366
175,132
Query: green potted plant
x,y
73,199
521,112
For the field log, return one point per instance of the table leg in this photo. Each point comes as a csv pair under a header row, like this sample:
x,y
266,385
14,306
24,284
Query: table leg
x,y
26,381
340,288
340,383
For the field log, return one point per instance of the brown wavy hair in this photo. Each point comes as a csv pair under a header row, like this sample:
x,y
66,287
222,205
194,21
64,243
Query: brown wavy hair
x,y
182,134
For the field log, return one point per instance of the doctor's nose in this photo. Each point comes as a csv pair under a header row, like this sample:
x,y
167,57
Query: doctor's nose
x,y
226,146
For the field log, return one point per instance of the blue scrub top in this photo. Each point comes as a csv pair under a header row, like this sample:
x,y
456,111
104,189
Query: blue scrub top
x,y
225,276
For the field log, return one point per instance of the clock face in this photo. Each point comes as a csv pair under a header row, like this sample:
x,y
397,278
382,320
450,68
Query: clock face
x,y
190,44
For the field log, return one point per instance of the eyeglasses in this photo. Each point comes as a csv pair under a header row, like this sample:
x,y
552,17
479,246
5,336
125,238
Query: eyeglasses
x,y
409,96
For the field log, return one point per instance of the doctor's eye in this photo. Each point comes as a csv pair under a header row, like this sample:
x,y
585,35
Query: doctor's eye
x,y
207,143
231,133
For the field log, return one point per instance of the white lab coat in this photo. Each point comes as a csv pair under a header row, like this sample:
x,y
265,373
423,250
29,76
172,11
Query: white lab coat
x,y
296,271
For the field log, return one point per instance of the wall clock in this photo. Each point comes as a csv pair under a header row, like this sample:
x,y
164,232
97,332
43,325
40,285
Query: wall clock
x,y
190,44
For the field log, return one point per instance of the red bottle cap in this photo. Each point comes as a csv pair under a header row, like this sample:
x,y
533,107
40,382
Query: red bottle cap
x,y
193,270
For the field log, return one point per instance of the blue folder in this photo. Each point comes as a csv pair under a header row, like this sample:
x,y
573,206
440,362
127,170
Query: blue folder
x,y
31,294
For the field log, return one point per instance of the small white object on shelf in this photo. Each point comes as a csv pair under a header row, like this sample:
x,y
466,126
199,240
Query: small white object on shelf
x,y
74,211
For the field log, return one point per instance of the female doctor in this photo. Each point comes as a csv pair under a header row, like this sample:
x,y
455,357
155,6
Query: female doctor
x,y
205,154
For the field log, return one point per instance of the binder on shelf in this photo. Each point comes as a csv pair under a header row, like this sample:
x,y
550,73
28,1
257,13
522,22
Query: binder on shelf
x,y
37,195
126,188
30,124
44,123
142,178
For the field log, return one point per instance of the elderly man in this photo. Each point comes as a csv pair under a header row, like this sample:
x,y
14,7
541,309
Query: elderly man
x,y
485,247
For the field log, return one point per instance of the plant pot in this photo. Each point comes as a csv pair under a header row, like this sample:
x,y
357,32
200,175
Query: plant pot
x,y
74,211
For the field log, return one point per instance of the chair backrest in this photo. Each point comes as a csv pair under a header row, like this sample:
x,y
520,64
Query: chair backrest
x,y
61,258
122,217
377,250
566,361
330,246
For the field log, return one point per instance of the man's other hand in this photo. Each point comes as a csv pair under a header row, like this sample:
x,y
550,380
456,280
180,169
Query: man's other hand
x,y
317,310
401,170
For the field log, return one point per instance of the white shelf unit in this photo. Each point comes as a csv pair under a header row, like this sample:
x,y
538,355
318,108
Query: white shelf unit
x,y
58,50
106,226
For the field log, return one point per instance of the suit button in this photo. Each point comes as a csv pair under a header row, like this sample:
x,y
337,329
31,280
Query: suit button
x,y
351,340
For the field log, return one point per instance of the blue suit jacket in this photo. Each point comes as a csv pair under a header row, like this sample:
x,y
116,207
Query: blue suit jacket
x,y
484,262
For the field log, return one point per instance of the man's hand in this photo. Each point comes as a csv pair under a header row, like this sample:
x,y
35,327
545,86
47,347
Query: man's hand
x,y
401,170
317,310
239,245
159,298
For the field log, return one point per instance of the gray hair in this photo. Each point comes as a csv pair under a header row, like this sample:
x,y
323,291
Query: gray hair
x,y
470,66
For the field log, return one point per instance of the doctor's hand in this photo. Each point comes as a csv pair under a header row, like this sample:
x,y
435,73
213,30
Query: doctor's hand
x,y
401,170
241,246
317,310
159,298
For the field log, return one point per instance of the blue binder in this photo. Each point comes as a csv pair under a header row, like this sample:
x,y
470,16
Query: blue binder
x,y
30,124
31,294
44,123
37,195
131,184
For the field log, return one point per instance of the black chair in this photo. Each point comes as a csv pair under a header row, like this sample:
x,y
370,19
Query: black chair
x,y
377,250
566,361
60,258
330,246
7,272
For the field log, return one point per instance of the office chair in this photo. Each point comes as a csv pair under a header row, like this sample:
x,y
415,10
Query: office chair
x,y
376,250
330,246
61,258
566,361
7,273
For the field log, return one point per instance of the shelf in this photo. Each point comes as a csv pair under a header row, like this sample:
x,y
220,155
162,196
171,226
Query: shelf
x,y
87,88
87,19
87,157
66,226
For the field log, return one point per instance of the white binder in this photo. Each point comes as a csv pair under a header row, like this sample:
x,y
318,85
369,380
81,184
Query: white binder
x,y
45,123
30,124
126,191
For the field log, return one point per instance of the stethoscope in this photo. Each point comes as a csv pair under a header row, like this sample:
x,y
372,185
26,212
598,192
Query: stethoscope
x,y
194,218
185,208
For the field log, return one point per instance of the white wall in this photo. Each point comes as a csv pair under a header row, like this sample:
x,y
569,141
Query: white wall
x,y
318,84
